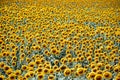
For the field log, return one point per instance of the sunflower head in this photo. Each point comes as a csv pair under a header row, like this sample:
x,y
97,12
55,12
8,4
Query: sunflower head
x,y
98,77
92,75
67,72
1,77
12,76
40,76
80,71
51,77
107,75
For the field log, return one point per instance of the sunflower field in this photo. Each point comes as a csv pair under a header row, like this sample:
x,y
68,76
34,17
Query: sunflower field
x,y
59,39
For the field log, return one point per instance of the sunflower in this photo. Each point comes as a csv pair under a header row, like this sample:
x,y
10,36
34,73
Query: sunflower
x,y
47,53
67,72
44,45
46,71
82,58
99,72
40,76
12,76
57,70
51,77
24,67
92,75
39,70
117,78
77,66
31,64
6,68
22,56
4,54
1,41
56,62
95,69
55,67
2,77
92,66
13,63
80,71
54,51
27,75
64,61
63,67
99,65
40,65
107,67
116,69
37,62
69,60
51,71
89,58
14,58
42,60
28,59
98,77
8,72
17,72
107,75
2,64
24,78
